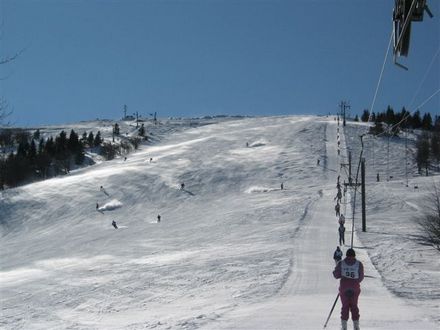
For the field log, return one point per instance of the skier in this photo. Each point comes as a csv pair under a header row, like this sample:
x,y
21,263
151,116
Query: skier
x,y
337,255
182,186
97,206
377,177
317,162
158,218
338,196
351,273
341,231
114,224
282,186
337,209
103,190
341,220
151,159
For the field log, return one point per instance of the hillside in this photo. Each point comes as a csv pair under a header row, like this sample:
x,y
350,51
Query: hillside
x,y
232,250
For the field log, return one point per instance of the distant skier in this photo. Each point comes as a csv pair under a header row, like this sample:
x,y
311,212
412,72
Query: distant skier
x,y
337,209
351,273
282,185
125,158
158,218
97,206
103,190
341,220
114,224
338,196
317,162
151,159
377,177
182,186
247,144
341,231
337,255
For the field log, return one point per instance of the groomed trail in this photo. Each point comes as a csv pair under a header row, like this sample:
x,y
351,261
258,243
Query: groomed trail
x,y
232,251
309,292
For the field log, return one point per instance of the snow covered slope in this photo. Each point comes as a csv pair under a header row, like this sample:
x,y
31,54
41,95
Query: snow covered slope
x,y
232,250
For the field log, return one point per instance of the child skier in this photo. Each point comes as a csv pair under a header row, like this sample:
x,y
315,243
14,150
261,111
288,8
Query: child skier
x,y
337,255
351,273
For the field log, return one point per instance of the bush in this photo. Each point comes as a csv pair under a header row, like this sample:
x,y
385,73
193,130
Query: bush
x,y
429,223
109,151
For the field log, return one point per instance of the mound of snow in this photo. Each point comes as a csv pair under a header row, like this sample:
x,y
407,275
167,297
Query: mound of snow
x,y
258,143
258,189
110,206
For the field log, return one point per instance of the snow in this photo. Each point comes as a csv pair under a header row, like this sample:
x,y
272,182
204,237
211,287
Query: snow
x,y
232,250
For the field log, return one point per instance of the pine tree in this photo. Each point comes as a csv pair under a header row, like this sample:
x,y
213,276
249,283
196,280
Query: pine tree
x,y
365,115
73,143
416,122
36,135
427,121
142,130
90,140
422,153
389,116
435,146
32,154
84,139
97,142
50,147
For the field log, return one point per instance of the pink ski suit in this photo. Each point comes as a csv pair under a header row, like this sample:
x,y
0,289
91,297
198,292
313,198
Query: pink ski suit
x,y
351,273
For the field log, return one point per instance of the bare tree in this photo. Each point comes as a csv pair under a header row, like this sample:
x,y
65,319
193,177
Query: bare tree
x,y
4,108
429,222
4,111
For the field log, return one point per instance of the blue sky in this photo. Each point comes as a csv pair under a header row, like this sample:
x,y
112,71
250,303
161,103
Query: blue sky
x,y
86,59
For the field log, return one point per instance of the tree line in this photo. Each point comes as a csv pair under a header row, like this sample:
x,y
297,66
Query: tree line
x,y
32,157
404,119
427,143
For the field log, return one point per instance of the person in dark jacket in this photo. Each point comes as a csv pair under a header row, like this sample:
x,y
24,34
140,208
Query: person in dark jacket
x,y
351,273
337,255
114,224
337,209
341,231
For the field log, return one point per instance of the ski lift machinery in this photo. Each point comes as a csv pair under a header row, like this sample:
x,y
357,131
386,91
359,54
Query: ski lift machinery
x,y
405,12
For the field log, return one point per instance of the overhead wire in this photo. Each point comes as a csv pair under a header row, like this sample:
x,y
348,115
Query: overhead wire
x,y
380,76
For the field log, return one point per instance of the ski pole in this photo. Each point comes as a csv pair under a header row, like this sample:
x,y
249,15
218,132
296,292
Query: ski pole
x,y
331,311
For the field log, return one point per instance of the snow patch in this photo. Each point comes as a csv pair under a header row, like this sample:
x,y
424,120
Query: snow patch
x,y
259,189
259,143
110,206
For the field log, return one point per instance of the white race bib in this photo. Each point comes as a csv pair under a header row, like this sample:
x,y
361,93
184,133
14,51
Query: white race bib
x,y
350,271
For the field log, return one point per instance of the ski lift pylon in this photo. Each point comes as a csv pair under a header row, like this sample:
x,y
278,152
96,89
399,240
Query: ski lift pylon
x,y
405,12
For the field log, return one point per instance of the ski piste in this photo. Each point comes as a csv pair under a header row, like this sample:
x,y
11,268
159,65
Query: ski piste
x,y
239,253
